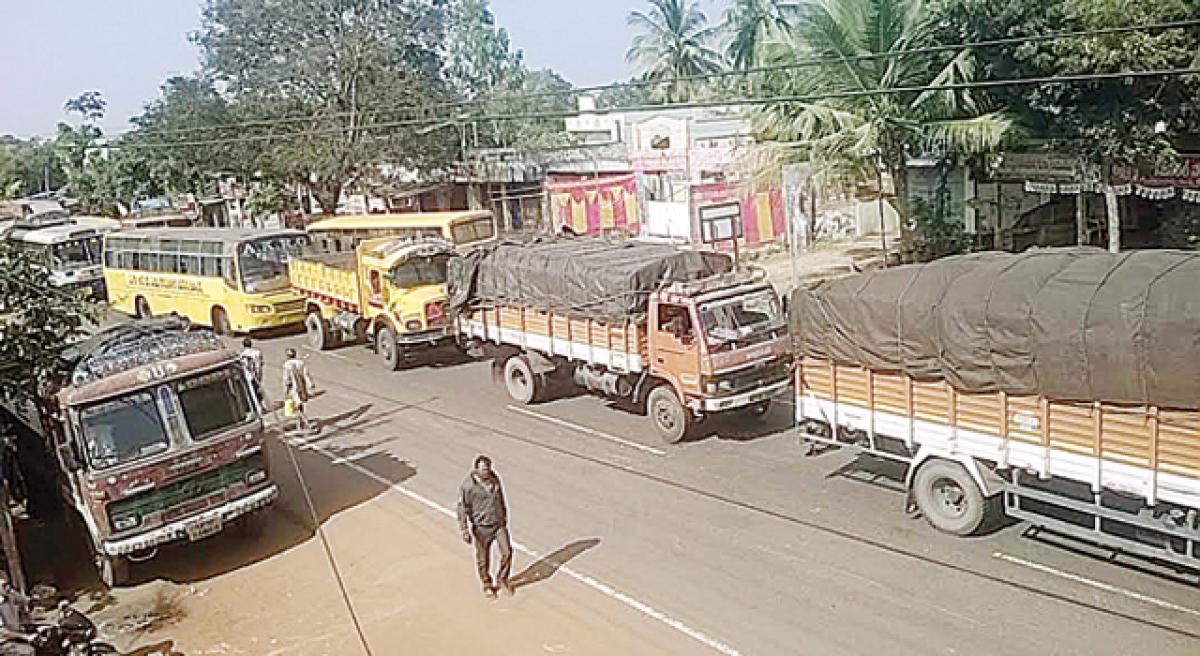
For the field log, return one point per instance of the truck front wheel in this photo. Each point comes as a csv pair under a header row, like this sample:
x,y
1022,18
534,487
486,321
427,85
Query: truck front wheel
x,y
389,350
949,498
113,570
670,418
522,384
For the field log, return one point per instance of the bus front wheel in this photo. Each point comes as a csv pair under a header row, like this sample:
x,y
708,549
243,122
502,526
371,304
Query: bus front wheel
x,y
141,308
220,322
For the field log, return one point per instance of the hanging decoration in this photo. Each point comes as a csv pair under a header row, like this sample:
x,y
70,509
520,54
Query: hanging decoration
x,y
1155,193
1040,187
1190,195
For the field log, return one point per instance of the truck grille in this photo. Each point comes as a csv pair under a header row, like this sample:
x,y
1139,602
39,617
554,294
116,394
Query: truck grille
x,y
186,496
290,306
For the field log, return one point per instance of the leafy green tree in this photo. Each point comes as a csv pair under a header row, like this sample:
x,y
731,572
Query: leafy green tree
x,y
862,132
750,25
37,325
1126,120
347,64
29,166
177,142
673,40
483,67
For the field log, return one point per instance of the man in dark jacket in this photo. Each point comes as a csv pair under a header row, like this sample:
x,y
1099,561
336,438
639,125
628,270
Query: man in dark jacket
x,y
483,518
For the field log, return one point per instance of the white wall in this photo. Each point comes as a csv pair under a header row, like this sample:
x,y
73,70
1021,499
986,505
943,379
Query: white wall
x,y
670,219
866,214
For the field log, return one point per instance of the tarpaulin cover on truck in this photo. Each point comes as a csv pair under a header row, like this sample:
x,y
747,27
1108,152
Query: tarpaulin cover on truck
x,y
1069,324
599,277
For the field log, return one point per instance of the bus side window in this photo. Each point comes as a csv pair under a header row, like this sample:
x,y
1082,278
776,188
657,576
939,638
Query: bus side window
x,y
211,265
228,272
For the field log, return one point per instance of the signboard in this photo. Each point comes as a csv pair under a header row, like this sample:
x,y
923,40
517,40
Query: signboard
x,y
1184,172
1037,166
720,222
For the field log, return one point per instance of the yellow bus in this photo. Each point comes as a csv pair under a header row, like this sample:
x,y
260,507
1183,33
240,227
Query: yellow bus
x,y
232,280
466,229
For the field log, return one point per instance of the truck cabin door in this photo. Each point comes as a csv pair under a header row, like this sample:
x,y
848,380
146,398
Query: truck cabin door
x,y
675,345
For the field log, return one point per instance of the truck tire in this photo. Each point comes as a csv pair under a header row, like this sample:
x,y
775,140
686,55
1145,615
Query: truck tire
x,y
319,335
670,418
389,350
522,384
113,570
949,498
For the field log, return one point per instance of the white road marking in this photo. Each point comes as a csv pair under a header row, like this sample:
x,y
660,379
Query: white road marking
x,y
588,431
597,585
1099,585
331,354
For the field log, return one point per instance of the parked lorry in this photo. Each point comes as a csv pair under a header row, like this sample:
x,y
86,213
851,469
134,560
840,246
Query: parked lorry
x,y
389,291
680,333
156,438
1059,386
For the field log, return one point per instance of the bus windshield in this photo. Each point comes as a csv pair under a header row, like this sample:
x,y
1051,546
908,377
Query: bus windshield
x,y
75,254
263,263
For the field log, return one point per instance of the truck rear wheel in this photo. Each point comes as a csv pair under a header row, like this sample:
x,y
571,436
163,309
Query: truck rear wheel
x,y
522,384
389,350
949,498
670,418
320,337
113,570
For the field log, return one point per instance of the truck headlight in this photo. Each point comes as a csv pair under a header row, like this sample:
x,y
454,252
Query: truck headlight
x,y
255,477
412,325
125,522
710,388
724,385
259,309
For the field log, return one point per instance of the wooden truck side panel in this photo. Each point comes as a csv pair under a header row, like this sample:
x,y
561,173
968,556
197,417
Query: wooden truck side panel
x,y
333,286
617,346
1145,451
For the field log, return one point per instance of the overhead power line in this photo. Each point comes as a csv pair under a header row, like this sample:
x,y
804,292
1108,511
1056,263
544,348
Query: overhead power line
x,y
794,65
740,102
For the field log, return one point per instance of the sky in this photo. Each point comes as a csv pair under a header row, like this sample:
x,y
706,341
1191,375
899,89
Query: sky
x,y
53,50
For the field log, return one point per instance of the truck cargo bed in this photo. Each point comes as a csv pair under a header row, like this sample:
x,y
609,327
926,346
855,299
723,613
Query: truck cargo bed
x,y
617,346
1150,452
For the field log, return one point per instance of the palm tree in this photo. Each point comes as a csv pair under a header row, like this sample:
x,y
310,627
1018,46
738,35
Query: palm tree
x,y
887,121
673,41
751,24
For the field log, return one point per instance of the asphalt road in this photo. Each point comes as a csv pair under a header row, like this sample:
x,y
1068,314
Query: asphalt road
x,y
737,536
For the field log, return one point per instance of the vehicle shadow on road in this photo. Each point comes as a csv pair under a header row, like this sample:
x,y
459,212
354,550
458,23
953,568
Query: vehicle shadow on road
x,y
332,486
547,565
743,426
163,648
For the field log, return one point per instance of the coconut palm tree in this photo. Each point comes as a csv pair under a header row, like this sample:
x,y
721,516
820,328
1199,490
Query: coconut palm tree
x,y
888,118
674,40
751,24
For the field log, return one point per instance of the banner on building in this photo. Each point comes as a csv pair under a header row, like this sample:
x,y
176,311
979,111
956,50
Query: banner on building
x,y
763,213
590,207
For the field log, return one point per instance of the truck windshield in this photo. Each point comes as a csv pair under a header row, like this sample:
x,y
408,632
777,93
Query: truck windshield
x,y
123,430
75,254
421,271
740,318
214,402
264,262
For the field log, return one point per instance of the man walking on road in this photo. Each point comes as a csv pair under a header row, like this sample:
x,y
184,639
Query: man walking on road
x,y
297,386
253,361
483,518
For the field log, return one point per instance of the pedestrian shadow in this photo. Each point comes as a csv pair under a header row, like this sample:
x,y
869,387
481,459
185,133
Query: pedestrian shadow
x,y
547,565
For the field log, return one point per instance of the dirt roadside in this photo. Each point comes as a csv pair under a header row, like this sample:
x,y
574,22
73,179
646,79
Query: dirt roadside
x,y
410,579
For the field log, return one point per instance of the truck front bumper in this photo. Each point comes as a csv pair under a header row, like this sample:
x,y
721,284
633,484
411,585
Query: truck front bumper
x,y
431,337
178,530
735,401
